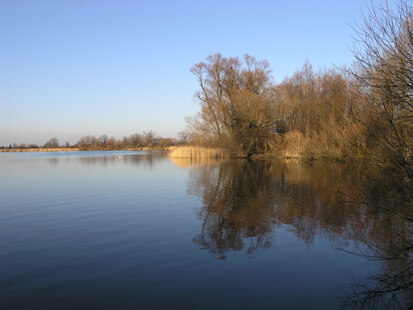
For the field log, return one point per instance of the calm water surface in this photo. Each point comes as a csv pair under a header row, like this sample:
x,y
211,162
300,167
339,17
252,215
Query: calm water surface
x,y
136,230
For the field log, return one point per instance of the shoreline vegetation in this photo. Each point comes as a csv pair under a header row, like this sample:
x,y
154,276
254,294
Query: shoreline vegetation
x,y
39,150
184,152
363,112
197,152
148,140
75,149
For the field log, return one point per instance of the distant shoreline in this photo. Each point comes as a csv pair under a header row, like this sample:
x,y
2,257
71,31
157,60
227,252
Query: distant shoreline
x,y
74,149
39,150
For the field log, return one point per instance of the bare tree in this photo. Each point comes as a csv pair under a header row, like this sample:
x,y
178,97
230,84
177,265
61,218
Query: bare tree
x,y
384,69
103,139
149,137
238,103
52,143
183,136
135,140
88,143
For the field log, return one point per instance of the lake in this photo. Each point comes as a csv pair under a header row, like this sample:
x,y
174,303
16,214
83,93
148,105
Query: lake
x,y
137,230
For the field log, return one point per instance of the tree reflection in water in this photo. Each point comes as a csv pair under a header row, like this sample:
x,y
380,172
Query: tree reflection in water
x,y
147,159
389,240
243,202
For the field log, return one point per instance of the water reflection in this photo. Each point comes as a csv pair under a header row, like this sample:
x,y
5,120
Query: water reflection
x,y
243,204
247,200
192,162
389,240
237,205
147,159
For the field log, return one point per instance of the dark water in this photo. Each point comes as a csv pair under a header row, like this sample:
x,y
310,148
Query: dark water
x,y
129,230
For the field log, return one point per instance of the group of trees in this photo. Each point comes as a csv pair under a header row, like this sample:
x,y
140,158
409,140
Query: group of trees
x,y
322,111
364,110
147,139
52,143
244,111
238,104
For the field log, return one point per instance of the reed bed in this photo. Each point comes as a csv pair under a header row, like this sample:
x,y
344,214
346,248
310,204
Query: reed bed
x,y
197,152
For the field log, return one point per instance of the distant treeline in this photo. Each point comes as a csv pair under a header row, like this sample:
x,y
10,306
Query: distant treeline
x,y
147,139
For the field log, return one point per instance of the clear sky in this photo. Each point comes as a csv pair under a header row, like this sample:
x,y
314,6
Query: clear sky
x,y
72,68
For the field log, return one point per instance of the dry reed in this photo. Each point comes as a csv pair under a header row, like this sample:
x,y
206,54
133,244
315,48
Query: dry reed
x,y
197,152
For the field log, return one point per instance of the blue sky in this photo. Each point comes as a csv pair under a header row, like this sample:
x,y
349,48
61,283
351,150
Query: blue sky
x,y
72,68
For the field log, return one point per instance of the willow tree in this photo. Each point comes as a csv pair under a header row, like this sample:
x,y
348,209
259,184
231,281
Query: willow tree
x,y
238,104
